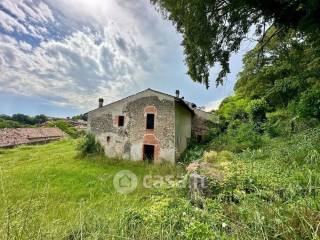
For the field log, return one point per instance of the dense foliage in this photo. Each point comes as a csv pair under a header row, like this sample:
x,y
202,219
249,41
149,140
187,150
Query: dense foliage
x,y
90,145
213,30
65,127
271,193
21,120
277,94
271,124
83,117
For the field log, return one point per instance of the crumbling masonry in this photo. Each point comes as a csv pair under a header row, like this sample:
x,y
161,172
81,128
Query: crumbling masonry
x,y
149,125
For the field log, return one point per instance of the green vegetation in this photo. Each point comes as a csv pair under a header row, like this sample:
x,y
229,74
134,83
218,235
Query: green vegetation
x,y
90,145
262,155
213,30
272,192
9,124
21,120
272,126
48,192
65,127
83,117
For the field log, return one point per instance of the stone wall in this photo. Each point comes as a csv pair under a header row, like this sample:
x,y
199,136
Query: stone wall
x,y
200,123
128,141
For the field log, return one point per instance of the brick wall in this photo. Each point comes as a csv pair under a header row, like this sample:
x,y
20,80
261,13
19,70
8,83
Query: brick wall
x,y
127,141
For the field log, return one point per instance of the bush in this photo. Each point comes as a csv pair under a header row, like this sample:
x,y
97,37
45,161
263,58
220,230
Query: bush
x,y
309,104
238,139
192,154
65,127
90,146
233,108
9,124
257,110
279,123
210,156
225,156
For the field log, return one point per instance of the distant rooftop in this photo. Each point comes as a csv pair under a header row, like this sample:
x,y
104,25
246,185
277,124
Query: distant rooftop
x,y
11,137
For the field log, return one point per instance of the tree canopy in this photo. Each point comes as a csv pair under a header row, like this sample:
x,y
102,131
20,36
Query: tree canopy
x,y
213,30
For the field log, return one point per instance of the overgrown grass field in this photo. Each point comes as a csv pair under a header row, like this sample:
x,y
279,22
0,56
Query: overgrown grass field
x,y
48,192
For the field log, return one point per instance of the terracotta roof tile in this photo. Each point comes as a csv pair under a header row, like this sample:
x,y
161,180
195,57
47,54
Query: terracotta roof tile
x,y
16,136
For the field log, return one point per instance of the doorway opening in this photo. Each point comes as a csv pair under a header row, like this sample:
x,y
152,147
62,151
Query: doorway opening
x,y
148,153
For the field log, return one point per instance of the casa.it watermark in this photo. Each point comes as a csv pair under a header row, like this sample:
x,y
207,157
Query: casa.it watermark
x,y
126,181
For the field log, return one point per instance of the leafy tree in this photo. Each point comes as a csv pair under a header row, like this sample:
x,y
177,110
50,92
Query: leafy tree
x,y
288,67
5,117
212,30
309,104
39,119
23,119
233,108
9,124
257,110
83,117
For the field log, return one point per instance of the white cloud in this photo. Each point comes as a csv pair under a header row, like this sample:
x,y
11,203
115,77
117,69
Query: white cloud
x,y
10,24
97,49
213,105
75,71
25,16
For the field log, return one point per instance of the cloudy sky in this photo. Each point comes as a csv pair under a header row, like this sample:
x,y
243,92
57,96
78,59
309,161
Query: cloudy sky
x,y
58,57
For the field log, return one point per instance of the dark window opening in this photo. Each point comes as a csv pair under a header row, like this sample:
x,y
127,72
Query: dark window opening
x,y
150,121
121,121
108,139
148,153
199,138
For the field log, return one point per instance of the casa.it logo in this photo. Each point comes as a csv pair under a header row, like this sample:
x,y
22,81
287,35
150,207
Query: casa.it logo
x,y
125,182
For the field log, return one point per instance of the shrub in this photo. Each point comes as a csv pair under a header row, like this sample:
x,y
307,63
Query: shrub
x,y
65,127
89,145
309,104
210,156
192,154
233,108
244,137
225,156
9,124
279,123
257,110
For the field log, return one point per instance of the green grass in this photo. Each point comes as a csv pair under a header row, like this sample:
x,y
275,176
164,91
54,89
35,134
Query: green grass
x,y
48,192
272,193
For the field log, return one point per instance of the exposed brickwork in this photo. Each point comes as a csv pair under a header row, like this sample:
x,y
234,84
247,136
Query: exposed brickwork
x,y
128,141
150,139
150,109
200,123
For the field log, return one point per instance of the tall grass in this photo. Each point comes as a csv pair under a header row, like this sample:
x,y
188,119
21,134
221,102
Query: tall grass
x,y
272,193
48,192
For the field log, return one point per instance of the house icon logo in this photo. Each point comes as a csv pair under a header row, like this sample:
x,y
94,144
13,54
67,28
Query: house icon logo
x,y
125,182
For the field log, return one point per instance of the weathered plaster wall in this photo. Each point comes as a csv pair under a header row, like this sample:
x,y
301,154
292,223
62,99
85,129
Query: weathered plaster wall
x,y
200,122
183,129
127,141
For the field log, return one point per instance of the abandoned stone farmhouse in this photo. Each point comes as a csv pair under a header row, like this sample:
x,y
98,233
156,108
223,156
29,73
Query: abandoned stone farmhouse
x,y
148,125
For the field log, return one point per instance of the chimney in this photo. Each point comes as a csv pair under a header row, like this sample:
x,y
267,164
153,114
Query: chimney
x,y
100,102
177,93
